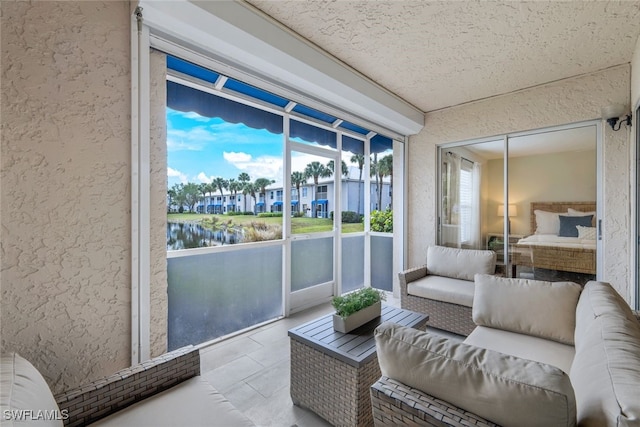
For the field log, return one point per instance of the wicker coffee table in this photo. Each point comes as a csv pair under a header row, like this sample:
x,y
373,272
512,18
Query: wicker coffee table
x,y
331,372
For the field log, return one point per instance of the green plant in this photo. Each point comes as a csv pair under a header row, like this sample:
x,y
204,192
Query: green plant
x,y
348,304
382,221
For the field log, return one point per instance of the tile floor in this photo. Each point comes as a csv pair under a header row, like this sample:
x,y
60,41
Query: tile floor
x,y
252,371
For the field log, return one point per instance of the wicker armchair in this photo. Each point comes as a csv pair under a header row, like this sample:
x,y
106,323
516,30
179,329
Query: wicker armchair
x,y
442,315
394,403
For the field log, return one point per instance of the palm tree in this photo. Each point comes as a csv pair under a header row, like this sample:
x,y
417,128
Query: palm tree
x,y
297,179
220,184
261,185
374,172
345,168
249,188
385,168
203,188
234,187
359,159
244,179
315,170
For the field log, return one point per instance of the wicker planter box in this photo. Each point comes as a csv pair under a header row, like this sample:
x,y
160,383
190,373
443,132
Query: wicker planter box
x,y
357,319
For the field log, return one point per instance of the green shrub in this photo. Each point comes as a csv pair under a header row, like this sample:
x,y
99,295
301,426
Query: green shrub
x,y
382,221
351,217
269,214
247,213
348,304
298,214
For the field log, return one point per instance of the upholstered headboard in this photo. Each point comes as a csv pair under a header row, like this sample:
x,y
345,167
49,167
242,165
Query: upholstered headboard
x,y
560,207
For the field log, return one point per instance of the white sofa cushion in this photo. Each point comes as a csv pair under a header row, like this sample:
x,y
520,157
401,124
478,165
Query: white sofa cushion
x,y
25,397
525,346
606,368
191,403
459,263
445,289
532,307
504,389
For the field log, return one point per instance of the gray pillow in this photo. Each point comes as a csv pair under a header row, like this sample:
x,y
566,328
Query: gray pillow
x,y
507,390
568,224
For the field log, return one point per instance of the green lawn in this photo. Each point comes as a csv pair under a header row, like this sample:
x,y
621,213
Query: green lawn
x,y
298,225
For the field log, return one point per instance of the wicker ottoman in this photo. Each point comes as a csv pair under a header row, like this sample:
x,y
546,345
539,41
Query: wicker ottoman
x,y
332,372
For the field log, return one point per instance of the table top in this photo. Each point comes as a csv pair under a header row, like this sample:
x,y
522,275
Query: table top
x,y
358,346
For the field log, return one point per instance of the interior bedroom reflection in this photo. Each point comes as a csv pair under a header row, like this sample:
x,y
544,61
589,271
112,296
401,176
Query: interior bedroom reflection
x,y
551,211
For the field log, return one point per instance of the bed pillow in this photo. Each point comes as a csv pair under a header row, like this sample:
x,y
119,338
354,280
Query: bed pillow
x,y
587,233
547,222
573,212
568,224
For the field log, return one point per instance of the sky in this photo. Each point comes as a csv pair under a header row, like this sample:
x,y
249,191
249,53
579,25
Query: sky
x,y
200,149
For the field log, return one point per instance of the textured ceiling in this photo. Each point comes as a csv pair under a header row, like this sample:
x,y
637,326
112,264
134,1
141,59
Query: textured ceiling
x,y
436,54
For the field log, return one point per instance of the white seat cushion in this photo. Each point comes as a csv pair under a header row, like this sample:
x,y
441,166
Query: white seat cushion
x,y
22,388
191,403
446,289
524,346
507,390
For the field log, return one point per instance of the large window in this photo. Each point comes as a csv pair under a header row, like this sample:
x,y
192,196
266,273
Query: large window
x,y
247,180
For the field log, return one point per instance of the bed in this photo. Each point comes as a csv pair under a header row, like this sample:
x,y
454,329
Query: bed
x,y
548,251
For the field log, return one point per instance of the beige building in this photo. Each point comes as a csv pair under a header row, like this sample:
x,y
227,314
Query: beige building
x,y
67,171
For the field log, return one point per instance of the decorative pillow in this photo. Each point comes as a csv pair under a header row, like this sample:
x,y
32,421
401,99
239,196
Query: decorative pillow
x,y
531,307
568,224
505,389
573,212
547,222
587,233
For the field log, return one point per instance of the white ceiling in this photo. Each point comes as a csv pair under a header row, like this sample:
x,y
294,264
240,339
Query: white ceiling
x,y
436,54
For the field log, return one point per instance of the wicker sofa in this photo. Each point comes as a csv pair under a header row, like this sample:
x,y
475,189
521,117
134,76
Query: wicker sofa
x,y
164,391
543,354
443,288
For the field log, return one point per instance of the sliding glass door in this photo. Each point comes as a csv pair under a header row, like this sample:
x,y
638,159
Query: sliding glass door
x,y
530,197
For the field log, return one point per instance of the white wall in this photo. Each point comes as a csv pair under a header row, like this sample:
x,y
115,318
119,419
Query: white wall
x,y
557,177
567,101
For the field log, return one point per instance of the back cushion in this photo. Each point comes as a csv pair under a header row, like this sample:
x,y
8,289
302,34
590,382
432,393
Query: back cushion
x,y
532,307
507,390
25,395
606,368
459,263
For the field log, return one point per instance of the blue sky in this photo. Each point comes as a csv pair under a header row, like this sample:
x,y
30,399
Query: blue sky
x,y
200,149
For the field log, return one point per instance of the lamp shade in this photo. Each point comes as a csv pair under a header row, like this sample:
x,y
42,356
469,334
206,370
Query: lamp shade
x,y
513,210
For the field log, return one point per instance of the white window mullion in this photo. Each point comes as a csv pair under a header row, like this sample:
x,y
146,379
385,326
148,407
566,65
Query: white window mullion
x,y
140,194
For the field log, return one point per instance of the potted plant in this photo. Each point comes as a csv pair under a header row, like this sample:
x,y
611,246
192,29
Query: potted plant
x,y
356,308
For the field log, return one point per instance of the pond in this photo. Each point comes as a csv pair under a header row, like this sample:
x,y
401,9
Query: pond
x,y
189,235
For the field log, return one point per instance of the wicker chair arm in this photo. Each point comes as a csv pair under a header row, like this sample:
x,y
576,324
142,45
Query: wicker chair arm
x,y
408,276
637,314
394,403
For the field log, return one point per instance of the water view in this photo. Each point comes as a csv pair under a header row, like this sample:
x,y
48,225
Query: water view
x,y
189,235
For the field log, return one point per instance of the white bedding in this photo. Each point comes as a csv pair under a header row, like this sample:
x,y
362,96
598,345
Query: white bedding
x,y
553,240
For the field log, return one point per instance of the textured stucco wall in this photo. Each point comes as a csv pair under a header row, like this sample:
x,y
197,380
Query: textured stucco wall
x,y
158,200
65,244
567,101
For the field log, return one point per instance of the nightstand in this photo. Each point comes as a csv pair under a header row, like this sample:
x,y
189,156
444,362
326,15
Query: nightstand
x,y
495,242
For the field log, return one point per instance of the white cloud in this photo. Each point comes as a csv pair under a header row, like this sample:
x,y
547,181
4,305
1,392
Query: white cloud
x,y
203,178
234,158
177,174
260,167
